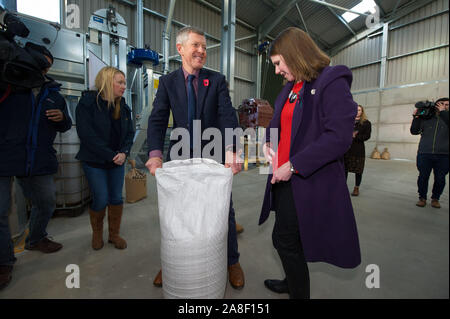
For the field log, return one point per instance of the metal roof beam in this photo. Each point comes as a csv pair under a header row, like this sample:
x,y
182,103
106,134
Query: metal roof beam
x,y
377,2
395,8
275,18
342,20
322,2
301,17
314,36
405,10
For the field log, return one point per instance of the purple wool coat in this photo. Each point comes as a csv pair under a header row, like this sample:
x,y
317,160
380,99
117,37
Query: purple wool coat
x,y
322,130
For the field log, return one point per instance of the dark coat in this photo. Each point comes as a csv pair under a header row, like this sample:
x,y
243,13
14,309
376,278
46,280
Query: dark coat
x,y
27,135
94,129
355,157
357,148
434,133
321,134
214,107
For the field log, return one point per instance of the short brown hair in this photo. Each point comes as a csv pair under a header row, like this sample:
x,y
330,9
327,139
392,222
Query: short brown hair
x,y
301,54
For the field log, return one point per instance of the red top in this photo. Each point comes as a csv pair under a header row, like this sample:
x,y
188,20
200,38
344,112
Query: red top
x,y
287,113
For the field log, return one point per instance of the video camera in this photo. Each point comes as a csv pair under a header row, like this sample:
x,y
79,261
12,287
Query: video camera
x,y
21,68
425,109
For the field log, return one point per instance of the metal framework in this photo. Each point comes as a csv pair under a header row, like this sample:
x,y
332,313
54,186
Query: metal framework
x,y
228,42
275,18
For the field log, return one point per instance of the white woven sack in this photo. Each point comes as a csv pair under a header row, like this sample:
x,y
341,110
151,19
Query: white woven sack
x,y
194,201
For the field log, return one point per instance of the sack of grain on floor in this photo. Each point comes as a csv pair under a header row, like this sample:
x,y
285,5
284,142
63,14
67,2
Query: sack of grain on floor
x,y
193,201
135,184
386,155
375,154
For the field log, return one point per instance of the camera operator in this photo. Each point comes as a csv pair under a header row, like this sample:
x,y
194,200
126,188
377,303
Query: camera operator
x,y
433,149
29,121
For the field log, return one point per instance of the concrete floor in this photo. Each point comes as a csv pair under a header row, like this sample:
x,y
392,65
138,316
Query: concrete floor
x,y
410,245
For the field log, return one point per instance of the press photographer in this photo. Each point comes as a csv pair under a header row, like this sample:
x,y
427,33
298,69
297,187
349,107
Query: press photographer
x,y
31,113
20,68
431,121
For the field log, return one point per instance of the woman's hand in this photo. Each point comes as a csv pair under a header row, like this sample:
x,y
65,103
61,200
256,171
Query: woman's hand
x,y
119,159
355,133
283,173
268,152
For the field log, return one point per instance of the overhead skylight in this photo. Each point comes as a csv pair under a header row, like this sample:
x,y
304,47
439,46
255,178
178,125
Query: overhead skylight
x,y
365,6
44,9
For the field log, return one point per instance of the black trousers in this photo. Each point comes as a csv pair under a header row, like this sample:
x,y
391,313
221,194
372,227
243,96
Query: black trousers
x,y
358,178
287,242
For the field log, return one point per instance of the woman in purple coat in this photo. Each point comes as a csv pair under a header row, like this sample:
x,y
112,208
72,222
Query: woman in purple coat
x,y
310,132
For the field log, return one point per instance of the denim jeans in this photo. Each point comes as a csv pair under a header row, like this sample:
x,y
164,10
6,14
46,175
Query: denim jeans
x,y
425,164
105,185
42,192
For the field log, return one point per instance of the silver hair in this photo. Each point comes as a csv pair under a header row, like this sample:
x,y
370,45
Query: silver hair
x,y
183,34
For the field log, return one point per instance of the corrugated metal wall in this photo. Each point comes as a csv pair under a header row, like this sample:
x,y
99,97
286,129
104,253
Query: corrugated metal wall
x,y
417,69
357,56
422,35
417,52
188,12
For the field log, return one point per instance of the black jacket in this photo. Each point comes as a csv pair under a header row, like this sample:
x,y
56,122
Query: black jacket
x,y
357,148
94,129
434,131
27,135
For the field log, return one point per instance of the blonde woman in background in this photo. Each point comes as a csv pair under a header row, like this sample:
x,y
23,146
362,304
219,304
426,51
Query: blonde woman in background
x,y
355,158
106,132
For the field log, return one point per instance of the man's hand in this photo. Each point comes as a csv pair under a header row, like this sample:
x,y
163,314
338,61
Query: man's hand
x,y
269,153
153,163
441,106
119,159
55,115
283,173
233,161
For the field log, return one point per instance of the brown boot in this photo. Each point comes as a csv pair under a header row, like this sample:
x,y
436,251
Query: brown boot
x,y
422,202
97,228
355,191
435,203
236,276
114,220
158,279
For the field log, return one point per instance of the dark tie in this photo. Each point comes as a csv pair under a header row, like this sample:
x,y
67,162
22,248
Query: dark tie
x,y
192,105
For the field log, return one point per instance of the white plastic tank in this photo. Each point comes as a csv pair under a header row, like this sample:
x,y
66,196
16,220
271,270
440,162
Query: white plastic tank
x,y
17,211
72,189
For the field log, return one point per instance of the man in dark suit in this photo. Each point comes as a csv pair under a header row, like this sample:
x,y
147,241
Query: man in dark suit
x,y
193,93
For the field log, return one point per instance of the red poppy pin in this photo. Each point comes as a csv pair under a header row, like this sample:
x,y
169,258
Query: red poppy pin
x,y
206,82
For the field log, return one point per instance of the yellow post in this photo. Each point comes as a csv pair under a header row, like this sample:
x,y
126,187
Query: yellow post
x,y
245,153
256,145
